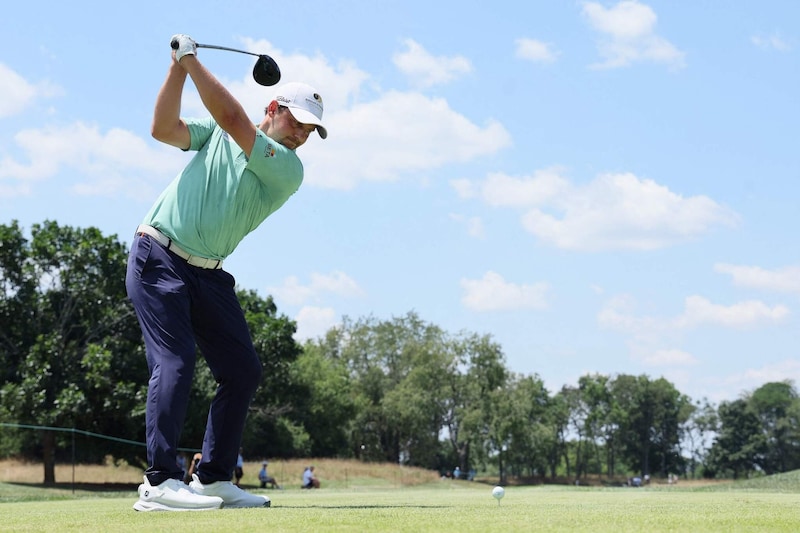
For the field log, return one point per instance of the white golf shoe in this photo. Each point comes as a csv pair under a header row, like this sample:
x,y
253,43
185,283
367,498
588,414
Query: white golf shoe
x,y
232,495
173,495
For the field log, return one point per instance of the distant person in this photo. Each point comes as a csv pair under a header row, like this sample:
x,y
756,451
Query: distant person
x,y
238,472
310,481
265,478
183,464
196,458
457,473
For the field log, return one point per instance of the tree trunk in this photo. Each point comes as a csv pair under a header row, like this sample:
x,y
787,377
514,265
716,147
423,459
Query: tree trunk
x,y
49,457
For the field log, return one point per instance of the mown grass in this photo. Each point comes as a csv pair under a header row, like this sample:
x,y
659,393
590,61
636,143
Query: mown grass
x,y
385,504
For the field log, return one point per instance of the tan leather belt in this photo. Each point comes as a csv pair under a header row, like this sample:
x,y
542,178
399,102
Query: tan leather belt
x,y
169,244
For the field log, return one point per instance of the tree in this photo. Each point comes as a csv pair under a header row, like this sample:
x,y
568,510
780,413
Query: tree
x,y
601,425
650,415
698,431
72,356
740,443
776,406
476,383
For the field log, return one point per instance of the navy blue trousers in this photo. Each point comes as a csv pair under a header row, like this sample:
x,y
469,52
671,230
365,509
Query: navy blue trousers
x,y
180,308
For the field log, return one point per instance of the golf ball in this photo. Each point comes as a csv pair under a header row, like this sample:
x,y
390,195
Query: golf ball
x,y
498,492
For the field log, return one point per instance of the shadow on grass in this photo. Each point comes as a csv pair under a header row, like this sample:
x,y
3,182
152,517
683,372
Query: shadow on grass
x,y
87,487
387,506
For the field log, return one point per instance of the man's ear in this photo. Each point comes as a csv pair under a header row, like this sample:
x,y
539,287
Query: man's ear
x,y
272,108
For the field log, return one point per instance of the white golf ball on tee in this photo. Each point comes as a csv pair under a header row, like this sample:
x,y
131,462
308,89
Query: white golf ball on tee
x,y
498,492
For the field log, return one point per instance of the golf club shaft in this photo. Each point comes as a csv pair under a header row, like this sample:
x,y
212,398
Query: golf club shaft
x,y
215,47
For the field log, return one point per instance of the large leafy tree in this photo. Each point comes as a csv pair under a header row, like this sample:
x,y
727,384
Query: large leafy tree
x,y
651,414
740,443
71,350
777,407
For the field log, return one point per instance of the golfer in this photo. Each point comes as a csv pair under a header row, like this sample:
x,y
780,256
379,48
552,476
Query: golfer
x,y
183,298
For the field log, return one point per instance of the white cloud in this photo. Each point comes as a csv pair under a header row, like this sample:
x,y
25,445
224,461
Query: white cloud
x,y
426,70
786,279
493,293
313,322
464,188
16,93
360,114
112,162
752,378
501,190
700,311
628,35
535,51
615,211
392,146
618,314
293,292
652,339
773,41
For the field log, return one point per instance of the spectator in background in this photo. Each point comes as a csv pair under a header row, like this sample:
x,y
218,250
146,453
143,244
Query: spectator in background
x,y
238,472
192,467
457,473
265,478
310,481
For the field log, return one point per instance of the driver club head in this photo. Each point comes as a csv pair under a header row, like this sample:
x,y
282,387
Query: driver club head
x,y
266,71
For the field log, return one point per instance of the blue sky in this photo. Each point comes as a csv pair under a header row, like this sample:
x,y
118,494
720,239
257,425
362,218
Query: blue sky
x,y
601,186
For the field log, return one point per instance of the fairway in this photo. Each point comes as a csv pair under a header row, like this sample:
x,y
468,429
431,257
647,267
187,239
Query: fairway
x,y
448,506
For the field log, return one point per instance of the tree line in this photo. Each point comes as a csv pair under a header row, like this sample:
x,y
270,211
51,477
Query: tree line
x,y
400,390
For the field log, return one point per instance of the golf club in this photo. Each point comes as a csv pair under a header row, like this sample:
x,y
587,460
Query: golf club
x,y
265,71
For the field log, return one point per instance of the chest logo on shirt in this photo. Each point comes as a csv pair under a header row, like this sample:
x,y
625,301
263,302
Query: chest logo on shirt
x,y
269,150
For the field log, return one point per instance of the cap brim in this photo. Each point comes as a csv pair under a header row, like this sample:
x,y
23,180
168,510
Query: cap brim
x,y
306,117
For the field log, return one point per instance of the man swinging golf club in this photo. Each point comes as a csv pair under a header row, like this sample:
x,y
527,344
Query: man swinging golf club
x,y
183,298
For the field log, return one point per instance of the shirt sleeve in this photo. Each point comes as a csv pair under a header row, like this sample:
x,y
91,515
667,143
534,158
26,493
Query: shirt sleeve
x,y
200,130
277,167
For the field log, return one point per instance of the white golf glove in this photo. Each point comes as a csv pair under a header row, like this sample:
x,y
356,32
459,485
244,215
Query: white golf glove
x,y
183,46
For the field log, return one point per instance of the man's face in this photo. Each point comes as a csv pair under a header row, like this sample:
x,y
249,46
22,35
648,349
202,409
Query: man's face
x,y
287,130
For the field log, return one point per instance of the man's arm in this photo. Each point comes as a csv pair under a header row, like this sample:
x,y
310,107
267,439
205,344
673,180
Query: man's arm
x,y
167,125
224,108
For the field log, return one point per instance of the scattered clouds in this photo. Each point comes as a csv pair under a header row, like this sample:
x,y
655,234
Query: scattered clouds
x,y
314,319
619,314
535,51
392,145
427,70
752,378
292,292
628,36
614,211
313,322
17,93
108,163
358,113
494,293
651,339
786,279
773,41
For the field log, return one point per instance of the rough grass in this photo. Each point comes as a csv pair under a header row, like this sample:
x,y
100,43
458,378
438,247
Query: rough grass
x,y
112,477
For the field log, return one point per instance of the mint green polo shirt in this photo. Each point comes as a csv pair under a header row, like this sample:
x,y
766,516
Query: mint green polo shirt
x,y
221,195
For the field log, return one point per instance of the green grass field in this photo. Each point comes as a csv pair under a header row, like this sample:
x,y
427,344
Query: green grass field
x,y
771,504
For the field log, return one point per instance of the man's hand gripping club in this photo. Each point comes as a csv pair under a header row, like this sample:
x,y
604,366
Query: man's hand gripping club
x,y
183,46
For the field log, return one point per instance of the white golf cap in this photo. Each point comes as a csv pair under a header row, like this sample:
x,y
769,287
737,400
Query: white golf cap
x,y
304,103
